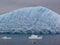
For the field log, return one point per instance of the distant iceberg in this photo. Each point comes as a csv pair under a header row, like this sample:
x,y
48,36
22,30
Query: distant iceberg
x,y
35,37
30,20
5,37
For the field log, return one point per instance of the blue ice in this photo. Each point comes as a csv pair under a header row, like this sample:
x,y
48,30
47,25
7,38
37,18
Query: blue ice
x,y
30,20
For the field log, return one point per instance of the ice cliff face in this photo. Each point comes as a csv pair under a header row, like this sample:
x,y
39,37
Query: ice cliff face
x,y
37,20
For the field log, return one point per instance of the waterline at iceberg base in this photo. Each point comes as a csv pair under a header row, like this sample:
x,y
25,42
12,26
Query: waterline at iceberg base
x,y
30,20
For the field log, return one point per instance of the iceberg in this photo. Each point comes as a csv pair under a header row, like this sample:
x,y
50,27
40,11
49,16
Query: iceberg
x,y
30,20
5,37
35,37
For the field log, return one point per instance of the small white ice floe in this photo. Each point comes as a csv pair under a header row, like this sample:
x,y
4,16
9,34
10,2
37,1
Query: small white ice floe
x,y
5,37
35,37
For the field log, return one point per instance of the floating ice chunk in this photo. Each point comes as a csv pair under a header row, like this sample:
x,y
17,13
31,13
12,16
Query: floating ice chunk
x,y
35,37
5,37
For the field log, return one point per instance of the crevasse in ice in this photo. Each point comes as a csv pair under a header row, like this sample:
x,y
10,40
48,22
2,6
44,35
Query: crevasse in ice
x,y
36,20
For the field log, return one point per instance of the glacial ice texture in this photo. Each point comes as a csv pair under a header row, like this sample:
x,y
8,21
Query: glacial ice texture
x,y
30,20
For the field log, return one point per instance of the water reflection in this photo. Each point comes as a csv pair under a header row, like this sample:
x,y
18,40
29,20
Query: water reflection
x,y
24,40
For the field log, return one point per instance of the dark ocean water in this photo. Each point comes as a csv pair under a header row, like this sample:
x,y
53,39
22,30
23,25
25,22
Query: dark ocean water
x,y
24,40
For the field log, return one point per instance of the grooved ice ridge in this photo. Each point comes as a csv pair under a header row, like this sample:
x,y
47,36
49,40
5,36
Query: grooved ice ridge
x,y
30,20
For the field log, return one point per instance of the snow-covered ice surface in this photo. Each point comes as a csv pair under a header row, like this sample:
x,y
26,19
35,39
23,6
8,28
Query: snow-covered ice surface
x,y
36,20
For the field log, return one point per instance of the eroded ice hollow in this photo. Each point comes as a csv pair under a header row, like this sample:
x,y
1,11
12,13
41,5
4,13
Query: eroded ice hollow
x,y
30,20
